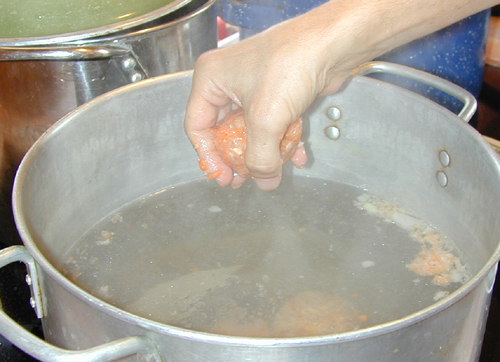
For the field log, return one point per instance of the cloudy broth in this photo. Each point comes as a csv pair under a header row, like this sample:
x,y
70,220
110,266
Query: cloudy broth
x,y
313,257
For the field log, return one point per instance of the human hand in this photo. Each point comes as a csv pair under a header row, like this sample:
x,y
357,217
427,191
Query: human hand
x,y
272,82
229,137
274,76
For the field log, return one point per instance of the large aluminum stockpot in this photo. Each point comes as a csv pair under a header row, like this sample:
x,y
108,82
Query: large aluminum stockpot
x,y
371,134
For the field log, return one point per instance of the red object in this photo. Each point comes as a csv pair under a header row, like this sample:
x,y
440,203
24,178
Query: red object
x,y
221,29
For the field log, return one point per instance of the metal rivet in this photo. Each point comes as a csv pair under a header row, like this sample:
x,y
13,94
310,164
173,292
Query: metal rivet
x,y
32,302
334,113
444,158
332,132
28,279
128,63
136,77
442,179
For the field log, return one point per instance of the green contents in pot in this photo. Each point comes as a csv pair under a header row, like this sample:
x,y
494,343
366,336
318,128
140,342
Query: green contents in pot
x,y
313,257
32,18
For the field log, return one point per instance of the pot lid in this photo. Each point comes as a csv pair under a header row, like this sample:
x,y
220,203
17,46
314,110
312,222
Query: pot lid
x,y
40,22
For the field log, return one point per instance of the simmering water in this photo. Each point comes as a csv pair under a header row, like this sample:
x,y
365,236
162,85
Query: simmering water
x,y
48,17
313,257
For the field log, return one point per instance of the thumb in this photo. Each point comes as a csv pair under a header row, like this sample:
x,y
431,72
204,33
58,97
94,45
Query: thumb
x,y
262,154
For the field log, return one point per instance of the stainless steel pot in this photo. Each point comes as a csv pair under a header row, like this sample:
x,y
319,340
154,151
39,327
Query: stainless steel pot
x,y
42,79
370,134
127,15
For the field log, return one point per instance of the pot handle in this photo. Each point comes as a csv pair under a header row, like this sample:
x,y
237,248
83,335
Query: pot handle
x,y
468,100
47,352
67,53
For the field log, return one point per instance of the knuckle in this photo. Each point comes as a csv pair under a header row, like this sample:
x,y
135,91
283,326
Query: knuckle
x,y
259,169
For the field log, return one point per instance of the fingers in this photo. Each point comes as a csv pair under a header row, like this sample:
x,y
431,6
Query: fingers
x,y
299,158
262,154
272,97
204,105
269,178
271,142
237,181
268,184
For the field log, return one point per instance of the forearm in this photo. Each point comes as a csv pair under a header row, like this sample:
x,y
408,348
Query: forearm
x,y
409,20
335,38
374,27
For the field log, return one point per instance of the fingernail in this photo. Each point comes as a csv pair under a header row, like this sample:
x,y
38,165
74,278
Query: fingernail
x,y
268,184
237,182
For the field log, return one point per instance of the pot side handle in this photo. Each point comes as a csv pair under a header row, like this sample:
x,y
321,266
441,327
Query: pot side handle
x,y
47,352
468,100
65,53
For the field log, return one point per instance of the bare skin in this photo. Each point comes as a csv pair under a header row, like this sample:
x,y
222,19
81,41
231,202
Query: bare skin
x,y
275,75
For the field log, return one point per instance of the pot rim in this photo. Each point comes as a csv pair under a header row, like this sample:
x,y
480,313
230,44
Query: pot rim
x,y
95,32
203,6
489,267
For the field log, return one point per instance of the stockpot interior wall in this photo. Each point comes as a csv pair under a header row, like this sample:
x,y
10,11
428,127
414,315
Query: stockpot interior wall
x,y
390,144
131,142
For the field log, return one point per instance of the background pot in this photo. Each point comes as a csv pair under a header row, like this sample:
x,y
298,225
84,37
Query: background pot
x,y
370,134
41,81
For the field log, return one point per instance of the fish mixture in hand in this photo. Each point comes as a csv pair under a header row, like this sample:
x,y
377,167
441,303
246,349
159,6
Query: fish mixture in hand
x,y
230,139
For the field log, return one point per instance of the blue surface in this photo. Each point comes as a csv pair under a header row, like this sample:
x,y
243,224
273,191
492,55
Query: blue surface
x,y
455,53
253,16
